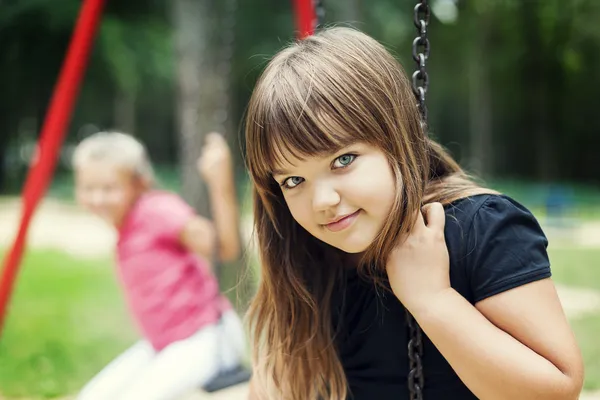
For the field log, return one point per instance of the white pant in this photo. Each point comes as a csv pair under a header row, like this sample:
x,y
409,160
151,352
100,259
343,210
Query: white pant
x,y
141,373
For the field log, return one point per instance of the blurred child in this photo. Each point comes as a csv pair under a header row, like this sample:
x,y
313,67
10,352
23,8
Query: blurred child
x,y
190,331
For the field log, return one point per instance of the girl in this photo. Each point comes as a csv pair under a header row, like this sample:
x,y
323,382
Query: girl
x,y
190,330
359,216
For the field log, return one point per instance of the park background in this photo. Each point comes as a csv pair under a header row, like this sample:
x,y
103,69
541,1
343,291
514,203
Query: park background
x,y
513,95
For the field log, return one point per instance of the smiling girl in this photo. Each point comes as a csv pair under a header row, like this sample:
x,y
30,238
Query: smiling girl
x,y
361,216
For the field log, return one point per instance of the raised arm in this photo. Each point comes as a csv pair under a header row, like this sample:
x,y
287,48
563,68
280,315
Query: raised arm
x,y
216,167
516,342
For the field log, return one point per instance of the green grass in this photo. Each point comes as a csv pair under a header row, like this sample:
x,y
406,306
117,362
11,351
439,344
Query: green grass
x,y
586,330
576,266
580,267
66,321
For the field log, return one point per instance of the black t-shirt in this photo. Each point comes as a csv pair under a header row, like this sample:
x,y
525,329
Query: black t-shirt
x,y
495,244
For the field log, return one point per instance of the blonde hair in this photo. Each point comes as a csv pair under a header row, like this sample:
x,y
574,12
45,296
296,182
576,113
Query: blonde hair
x,y
315,97
118,149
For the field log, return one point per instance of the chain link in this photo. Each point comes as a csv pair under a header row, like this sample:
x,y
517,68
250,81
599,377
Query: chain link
x,y
223,100
420,84
319,13
416,379
420,53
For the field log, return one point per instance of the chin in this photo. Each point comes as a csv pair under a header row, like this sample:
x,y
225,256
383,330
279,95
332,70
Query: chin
x,y
354,246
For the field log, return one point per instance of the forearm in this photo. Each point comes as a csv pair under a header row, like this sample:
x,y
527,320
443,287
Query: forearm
x,y
225,217
490,362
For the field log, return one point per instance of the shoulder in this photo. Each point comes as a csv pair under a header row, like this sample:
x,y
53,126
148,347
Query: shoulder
x,y
157,203
487,210
476,224
161,200
501,245
158,211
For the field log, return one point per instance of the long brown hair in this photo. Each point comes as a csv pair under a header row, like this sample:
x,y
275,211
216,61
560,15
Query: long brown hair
x,y
318,95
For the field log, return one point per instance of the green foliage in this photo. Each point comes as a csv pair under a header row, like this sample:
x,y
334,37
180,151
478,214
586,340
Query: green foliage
x,y
136,51
540,61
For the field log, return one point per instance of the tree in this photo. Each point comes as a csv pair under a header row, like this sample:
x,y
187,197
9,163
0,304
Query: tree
x,y
197,86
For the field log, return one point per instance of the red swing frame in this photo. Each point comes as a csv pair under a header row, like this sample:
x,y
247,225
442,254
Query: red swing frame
x,y
57,120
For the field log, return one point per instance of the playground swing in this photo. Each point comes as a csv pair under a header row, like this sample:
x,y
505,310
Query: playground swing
x,y
420,85
309,14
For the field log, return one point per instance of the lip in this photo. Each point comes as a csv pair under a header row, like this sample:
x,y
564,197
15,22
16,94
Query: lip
x,y
341,223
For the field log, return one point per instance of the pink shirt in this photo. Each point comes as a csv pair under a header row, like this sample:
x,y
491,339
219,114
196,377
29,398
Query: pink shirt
x,y
170,290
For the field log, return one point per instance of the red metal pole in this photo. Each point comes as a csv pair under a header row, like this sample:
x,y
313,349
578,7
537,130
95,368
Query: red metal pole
x,y
53,132
306,17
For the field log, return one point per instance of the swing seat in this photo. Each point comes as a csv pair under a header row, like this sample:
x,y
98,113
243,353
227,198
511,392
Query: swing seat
x,y
228,378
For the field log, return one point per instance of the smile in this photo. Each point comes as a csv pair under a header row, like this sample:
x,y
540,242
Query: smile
x,y
342,223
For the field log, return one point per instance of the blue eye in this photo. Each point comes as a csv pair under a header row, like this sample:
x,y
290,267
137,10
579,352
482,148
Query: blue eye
x,y
292,182
344,160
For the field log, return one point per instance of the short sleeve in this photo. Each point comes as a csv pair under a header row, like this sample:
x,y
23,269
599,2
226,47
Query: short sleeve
x,y
164,216
506,248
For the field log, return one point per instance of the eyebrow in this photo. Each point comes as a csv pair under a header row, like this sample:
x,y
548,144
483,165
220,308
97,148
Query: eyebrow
x,y
280,172
336,153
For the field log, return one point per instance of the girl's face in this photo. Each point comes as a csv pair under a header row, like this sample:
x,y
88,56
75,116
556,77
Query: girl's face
x,y
107,190
342,199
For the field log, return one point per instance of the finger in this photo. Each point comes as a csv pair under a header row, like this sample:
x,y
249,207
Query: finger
x,y
419,221
202,155
214,137
435,215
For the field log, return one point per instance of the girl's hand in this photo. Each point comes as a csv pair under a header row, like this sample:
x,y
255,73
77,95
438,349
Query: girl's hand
x,y
215,163
419,267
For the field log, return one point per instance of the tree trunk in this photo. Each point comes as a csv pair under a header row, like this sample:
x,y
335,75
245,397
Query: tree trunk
x,y
204,41
190,21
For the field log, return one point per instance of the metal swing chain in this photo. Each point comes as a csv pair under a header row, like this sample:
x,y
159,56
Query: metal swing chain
x,y
319,13
420,84
420,53
221,116
416,379
225,65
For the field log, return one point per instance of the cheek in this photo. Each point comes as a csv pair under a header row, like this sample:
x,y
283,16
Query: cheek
x,y
122,199
300,209
81,198
372,189
88,198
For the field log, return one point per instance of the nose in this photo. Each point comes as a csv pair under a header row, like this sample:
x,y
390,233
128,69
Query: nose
x,y
325,196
